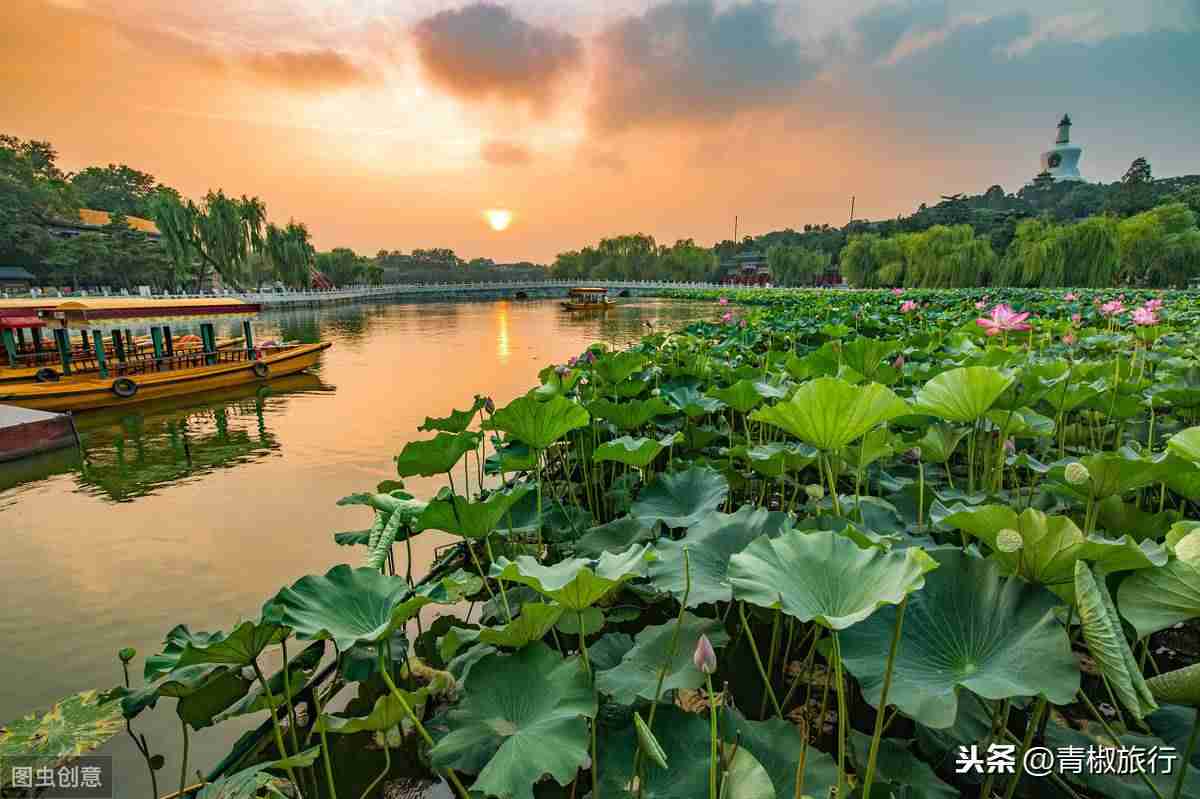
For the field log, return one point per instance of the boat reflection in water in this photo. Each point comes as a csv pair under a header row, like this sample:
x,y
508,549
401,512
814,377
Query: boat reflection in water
x,y
128,453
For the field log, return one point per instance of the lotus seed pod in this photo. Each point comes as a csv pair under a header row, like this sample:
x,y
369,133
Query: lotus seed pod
x,y
1077,474
814,491
705,657
1009,540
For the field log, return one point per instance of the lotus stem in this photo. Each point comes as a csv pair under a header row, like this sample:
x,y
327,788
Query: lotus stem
x,y
758,660
1116,740
275,724
183,767
595,763
712,757
1187,756
999,723
662,670
1031,727
842,713
420,728
487,542
587,664
883,697
387,766
762,711
293,725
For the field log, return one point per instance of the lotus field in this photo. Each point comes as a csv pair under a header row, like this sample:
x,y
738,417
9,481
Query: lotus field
x,y
827,544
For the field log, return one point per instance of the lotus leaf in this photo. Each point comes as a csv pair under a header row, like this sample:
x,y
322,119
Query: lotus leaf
x,y
1104,782
1155,599
533,624
456,422
687,397
825,577
510,735
347,606
970,628
710,544
683,498
1186,444
538,424
475,520
898,765
575,583
866,356
386,714
435,456
637,452
247,783
451,588
829,413
512,456
1180,687
1114,473
632,414
176,641
637,673
778,457
72,727
963,395
613,368
648,743
615,536
300,670
240,648
1051,545
588,622
743,396
608,651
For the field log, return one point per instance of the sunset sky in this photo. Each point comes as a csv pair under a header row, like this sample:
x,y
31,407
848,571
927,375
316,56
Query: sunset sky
x,y
396,123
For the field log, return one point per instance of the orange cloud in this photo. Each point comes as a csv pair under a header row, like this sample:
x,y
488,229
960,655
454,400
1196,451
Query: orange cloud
x,y
505,153
307,70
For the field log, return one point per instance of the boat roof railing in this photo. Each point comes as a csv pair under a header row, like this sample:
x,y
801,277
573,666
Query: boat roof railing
x,y
116,312
589,290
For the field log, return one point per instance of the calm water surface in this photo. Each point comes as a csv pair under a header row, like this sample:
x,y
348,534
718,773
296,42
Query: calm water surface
x,y
198,510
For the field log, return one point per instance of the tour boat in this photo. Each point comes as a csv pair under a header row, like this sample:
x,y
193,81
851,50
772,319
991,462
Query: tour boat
x,y
587,299
102,374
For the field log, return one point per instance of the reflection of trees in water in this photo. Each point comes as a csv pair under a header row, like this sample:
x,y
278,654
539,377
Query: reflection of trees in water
x,y
626,323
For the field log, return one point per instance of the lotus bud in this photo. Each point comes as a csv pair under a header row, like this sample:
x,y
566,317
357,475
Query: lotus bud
x,y
1010,447
705,657
898,363
815,492
488,405
1077,474
1009,540
127,654
561,371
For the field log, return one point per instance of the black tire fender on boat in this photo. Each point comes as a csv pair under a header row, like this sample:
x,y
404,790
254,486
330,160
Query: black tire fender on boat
x,y
261,369
46,375
124,387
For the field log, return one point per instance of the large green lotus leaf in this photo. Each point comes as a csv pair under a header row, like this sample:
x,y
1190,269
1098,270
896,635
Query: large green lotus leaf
x,y
778,457
876,444
300,671
866,355
1106,641
240,648
454,514
1180,687
687,396
522,716
575,583
533,624
179,683
825,577
1101,782
1155,599
72,727
456,422
710,544
963,395
1022,423
829,413
743,396
681,499
248,783
1186,444
1127,518
615,536
435,456
608,651
637,673
177,640
615,367
513,456
201,707
1051,545
631,414
970,628
538,424
450,589
347,606
638,452
1113,473
897,764
776,744
745,777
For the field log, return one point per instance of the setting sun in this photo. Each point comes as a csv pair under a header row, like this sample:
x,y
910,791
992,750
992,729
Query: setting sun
x,y
498,218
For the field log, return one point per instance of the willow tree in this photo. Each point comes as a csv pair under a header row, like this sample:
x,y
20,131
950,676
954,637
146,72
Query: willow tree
x,y
794,265
218,235
869,261
946,257
1160,247
1048,255
291,253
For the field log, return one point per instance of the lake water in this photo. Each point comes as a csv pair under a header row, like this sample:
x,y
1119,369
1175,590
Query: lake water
x,y
197,511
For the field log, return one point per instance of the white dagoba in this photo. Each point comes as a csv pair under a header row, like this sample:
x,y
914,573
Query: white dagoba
x,y
1062,160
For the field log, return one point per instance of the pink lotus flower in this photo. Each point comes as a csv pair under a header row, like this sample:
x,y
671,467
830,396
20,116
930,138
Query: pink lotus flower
x,y
1112,308
1003,320
742,323
1144,317
705,657
1154,305
572,361
722,301
1070,296
1076,318
897,292
1069,339
727,317
898,363
979,306
908,306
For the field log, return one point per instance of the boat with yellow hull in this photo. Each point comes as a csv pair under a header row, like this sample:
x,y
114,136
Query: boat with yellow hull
x,y
587,299
44,359
87,391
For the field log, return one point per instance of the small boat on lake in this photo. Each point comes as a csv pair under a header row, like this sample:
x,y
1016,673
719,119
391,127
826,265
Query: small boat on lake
x,y
587,299
101,374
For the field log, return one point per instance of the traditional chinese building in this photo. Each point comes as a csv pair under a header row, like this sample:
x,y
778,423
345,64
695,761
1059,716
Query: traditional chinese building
x,y
93,221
